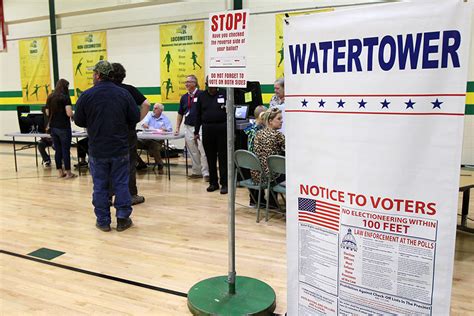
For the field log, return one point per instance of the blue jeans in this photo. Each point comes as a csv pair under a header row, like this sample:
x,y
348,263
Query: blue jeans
x,y
117,170
62,145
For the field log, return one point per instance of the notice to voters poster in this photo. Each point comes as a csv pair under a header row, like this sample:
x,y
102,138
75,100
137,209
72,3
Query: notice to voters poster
x,y
375,101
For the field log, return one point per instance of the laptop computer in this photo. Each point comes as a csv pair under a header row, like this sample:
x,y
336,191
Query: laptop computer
x,y
241,112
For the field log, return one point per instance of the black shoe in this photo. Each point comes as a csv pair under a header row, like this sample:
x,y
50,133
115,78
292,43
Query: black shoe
x,y
81,164
137,199
142,167
123,224
212,188
104,228
224,190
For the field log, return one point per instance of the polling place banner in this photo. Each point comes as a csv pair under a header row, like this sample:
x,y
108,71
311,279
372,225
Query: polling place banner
x,y
375,101
87,50
35,71
279,51
181,54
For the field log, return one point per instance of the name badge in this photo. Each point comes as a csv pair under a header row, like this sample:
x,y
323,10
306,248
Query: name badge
x,y
195,99
220,100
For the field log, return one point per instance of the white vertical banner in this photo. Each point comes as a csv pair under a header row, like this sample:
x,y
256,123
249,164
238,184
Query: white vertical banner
x,y
375,100
228,32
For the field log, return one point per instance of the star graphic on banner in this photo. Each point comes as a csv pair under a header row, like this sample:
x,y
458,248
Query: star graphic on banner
x,y
385,104
340,104
409,104
436,104
362,104
321,103
304,103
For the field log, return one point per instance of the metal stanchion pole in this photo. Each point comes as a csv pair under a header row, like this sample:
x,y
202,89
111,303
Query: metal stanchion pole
x,y
231,295
230,185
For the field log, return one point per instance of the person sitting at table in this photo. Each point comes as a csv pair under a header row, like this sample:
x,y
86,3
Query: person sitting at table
x,y
278,100
253,128
268,141
82,152
44,143
155,120
58,105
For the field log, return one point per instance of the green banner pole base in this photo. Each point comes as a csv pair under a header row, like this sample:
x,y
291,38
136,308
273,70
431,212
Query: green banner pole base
x,y
211,297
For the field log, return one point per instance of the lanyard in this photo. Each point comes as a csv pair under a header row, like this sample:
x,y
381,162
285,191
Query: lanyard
x,y
189,102
191,97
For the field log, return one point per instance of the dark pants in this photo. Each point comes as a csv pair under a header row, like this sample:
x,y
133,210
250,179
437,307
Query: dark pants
x,y
83,148
62,144
115,169
214,140
132,151
132,156
42,145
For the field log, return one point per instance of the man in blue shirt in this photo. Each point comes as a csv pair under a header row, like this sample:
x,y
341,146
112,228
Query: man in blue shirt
x,y
155,121
108,112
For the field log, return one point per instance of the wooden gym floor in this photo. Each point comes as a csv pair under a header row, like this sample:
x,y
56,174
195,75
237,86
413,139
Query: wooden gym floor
x,y
179,238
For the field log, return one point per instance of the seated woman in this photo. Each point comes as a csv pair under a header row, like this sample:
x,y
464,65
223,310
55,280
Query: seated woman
x,y
268,141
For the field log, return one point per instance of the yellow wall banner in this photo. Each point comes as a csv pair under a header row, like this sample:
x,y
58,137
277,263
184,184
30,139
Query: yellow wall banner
x,y
181,54
87,50
279,56
35,70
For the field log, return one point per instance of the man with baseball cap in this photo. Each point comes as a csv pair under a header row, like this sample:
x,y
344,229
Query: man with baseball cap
x,y
108,112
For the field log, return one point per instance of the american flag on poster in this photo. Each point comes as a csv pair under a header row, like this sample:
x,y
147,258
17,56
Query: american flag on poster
x,y
319,213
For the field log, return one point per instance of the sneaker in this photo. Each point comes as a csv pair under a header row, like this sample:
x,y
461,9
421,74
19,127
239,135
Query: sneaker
x,y
137,199
47,164
224,190
123,224
104,228
195,176
212,188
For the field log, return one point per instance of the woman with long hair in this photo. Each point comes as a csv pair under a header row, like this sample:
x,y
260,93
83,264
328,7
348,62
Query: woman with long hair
x,y
60,113
268,141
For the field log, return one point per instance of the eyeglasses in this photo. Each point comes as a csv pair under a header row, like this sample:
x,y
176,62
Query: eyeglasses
x,y
190,82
